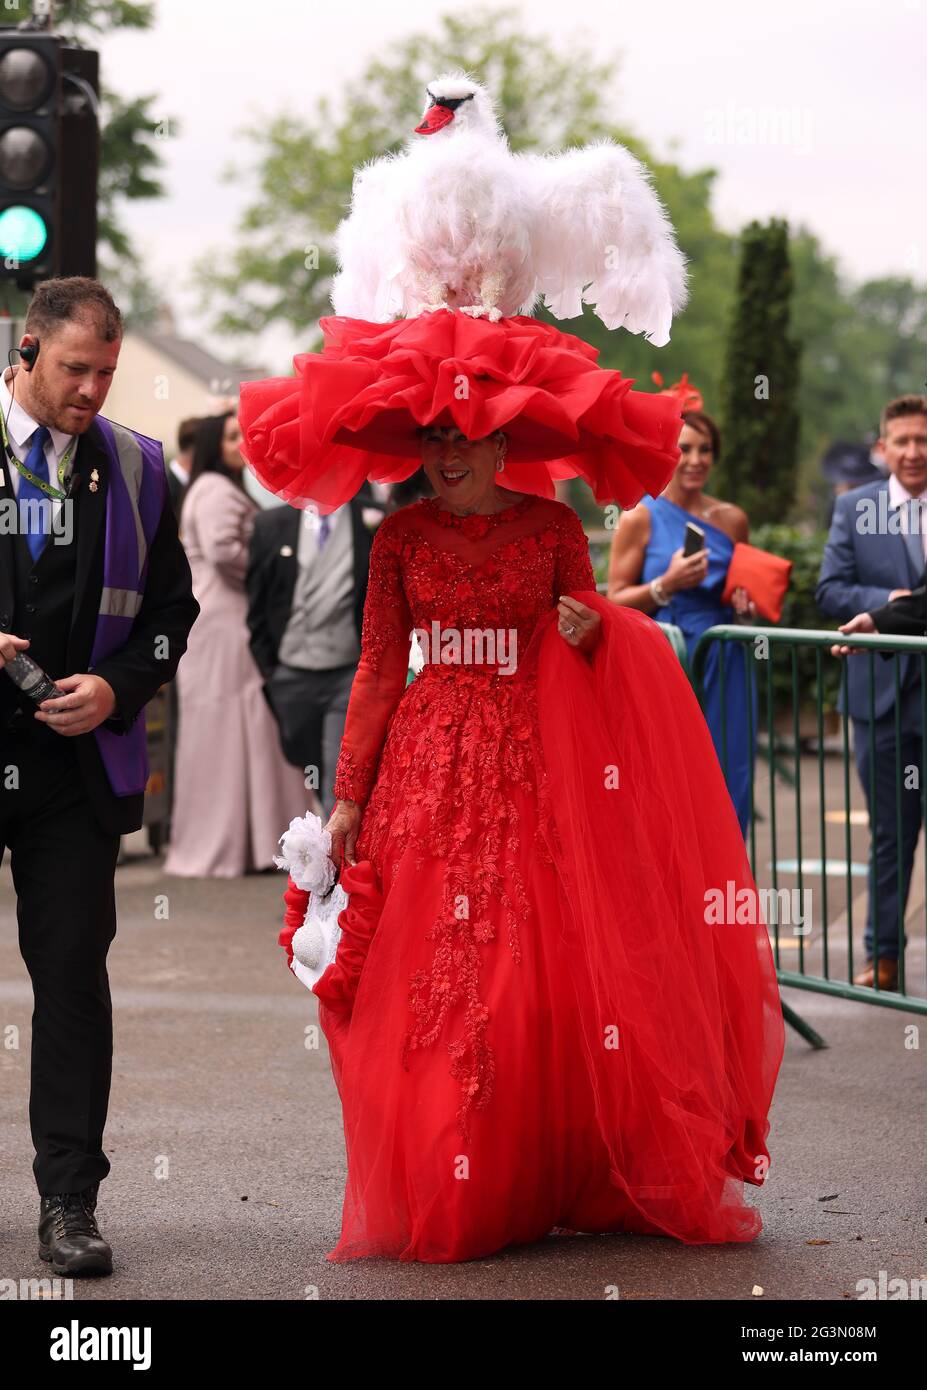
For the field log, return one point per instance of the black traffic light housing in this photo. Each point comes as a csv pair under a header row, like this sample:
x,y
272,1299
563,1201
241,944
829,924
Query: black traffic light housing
x,y
49,158
79,162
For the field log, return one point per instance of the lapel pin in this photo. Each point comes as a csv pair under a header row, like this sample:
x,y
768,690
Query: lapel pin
x,y
286,550
94,479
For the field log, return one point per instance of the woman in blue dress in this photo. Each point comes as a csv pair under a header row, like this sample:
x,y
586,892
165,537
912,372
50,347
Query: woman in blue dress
x,y
647,570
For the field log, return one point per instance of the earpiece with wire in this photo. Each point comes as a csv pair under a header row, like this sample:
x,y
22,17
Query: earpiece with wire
x,y
27,354
6,418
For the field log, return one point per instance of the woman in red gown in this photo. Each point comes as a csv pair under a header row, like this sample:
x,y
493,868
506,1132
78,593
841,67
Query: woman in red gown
x,y
554,1002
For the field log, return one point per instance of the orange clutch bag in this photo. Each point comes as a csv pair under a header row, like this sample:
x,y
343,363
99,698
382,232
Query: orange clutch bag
x,y
765,577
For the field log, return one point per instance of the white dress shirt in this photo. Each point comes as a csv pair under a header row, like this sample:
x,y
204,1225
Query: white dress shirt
x,y
20,427
898,495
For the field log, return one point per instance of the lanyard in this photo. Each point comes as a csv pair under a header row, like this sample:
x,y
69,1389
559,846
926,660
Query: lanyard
x,y
27,472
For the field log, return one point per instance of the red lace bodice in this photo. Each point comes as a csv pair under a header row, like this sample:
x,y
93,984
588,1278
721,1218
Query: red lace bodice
x,y
439,765
498,572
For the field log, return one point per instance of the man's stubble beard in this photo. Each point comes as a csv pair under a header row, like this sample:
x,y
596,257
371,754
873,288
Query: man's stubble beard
x,y
46,413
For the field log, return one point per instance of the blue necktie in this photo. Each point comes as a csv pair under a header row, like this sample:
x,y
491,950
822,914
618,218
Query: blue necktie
x,y
32,522
324,527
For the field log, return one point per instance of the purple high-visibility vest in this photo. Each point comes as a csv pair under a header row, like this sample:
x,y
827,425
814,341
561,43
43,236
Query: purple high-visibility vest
x,y
134,502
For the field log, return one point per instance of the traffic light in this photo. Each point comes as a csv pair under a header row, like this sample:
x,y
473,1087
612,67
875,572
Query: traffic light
x,y
79,163
49,157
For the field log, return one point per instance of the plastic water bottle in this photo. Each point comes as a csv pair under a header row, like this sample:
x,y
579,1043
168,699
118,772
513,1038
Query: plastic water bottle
x,y
31,679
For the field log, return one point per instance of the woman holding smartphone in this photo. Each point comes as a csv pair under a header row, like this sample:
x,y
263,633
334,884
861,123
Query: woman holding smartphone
x,y
669,558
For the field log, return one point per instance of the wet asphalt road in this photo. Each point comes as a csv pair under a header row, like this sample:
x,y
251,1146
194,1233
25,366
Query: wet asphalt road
x,y
228,1167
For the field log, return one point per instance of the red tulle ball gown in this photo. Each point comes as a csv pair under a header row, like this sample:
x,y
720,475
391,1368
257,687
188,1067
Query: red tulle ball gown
x,y
537,1015
532,1021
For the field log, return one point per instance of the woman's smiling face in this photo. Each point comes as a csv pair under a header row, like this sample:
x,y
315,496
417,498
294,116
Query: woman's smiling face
x,y
461,471
695,459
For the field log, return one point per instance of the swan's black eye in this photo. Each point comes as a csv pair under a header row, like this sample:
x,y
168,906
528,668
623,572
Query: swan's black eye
x,y
452,103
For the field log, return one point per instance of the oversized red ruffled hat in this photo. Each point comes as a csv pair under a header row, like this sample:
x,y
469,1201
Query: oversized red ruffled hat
x,y
354,410
461,238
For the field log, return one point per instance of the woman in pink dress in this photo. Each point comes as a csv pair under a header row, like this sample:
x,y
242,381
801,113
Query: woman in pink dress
x,y
233,791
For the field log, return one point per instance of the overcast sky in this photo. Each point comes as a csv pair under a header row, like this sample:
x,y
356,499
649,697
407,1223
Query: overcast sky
x,y
809,109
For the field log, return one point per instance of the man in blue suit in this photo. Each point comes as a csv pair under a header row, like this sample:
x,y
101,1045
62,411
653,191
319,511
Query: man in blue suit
x,y
875,554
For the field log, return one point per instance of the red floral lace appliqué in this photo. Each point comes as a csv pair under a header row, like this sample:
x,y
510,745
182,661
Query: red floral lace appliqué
x,y
449,759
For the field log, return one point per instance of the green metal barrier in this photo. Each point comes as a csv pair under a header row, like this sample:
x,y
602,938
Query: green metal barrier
x,y
676,639
827,956
674,635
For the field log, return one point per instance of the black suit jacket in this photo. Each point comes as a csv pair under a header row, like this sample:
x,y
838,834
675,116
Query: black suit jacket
x,y
176,490
905,616
272,569
135,672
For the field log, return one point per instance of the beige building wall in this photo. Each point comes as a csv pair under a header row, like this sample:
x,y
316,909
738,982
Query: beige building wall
x,y
152,394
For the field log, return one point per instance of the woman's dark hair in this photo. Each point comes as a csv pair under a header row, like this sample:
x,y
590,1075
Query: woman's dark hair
x,y
705,425
207,451
186,433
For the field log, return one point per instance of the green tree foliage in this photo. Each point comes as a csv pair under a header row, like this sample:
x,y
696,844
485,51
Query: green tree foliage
x,y
548,97
860,344
696,333
805,548
761,374
894,313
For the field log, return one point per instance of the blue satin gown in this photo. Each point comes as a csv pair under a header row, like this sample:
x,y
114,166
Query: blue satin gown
x,y
694,610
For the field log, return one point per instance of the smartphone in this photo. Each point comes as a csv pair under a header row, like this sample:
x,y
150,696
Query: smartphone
x,y
695,540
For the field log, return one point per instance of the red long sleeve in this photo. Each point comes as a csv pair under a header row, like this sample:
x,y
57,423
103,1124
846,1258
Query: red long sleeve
x,y
574,567
383,668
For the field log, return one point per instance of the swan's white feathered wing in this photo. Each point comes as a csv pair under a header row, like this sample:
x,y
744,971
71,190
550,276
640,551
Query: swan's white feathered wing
x,y
368,248
601,235
456,220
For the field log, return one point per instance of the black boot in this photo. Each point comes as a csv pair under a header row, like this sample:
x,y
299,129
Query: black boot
x,y
69,1236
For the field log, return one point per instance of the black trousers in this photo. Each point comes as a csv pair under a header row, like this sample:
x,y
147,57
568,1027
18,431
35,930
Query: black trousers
x,y
63,868
310,708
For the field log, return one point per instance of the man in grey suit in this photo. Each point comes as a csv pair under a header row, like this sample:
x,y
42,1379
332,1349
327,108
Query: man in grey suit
x,y
307,582
876,554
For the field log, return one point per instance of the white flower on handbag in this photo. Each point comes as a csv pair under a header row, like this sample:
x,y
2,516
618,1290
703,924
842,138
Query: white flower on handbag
x,y
306,850
306,857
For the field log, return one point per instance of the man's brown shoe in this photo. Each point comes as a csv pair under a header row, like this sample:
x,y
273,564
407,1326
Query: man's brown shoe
x,y
888,974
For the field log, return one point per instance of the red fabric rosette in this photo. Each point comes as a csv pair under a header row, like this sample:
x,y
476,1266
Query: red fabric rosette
x,y
297,902
358,922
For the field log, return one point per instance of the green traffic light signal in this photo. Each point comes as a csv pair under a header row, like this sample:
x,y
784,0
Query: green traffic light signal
x,y
23,234
49,156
